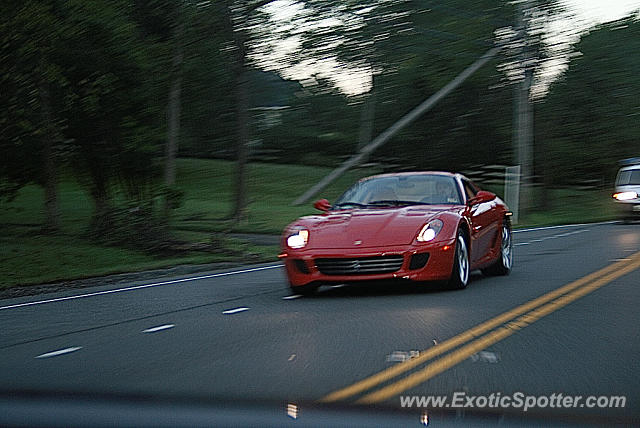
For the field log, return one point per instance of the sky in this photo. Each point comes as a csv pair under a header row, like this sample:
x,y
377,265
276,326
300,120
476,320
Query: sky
x,y
586,14
599,11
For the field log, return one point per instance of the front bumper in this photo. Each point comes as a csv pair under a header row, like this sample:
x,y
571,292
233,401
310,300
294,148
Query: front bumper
x,y
302,269
628,210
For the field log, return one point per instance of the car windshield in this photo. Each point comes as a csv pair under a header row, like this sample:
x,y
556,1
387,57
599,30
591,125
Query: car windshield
x,y
401,190
628,177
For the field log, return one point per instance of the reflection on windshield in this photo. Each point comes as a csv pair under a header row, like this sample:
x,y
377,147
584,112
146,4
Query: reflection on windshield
x,y
401,191
629,177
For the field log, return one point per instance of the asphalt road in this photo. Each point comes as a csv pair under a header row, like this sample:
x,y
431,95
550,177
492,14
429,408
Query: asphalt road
x,y
239,334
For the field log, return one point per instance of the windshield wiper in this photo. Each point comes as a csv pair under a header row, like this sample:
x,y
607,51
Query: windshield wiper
x,y
394,203
355,204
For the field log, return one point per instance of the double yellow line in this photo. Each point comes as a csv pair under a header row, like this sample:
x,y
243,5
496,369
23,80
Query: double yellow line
x,y
479,337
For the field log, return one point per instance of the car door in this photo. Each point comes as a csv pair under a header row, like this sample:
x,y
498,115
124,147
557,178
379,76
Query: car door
x,y
483,227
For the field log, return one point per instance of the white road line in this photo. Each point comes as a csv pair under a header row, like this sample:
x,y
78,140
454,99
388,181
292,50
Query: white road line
x,y
562,235
293,296
139,287
235,310
59,352
533,229
159,328
216,275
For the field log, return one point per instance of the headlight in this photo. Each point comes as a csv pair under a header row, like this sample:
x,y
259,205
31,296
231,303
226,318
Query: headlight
x,y
298,239
430,230
625,196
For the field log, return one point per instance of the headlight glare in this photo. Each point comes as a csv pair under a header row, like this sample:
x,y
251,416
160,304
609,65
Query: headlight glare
x,y
430,230
625,196
298,239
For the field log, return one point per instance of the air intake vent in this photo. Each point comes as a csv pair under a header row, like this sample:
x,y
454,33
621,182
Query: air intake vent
x,y
418,261
301,265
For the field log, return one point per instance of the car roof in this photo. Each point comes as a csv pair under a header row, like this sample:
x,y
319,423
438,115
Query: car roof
x,y
409,173
630,167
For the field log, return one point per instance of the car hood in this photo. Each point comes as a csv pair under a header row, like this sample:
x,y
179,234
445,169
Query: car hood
x,y
365,228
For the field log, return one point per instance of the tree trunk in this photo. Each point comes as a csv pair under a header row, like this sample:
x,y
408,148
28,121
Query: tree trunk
x,y
239,29
242,105
173,112
242,128
52,212
101,222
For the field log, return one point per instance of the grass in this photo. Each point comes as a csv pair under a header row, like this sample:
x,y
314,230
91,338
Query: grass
x,y
566,206
28,257
572,206
272,189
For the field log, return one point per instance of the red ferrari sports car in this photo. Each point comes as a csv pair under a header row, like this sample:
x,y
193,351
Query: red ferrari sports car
x,y
418,226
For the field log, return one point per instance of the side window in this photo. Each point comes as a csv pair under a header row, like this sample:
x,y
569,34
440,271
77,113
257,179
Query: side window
x,y
469,189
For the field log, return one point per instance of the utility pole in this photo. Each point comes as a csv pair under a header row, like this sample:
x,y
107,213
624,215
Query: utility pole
x,y
523,115
403,122
367,116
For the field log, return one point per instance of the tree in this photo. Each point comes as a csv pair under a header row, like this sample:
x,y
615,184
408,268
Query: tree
x,y
108,114
241,19
174,103
31,129
412,49
589,118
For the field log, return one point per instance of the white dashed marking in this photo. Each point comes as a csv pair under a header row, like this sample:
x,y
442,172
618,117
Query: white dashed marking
x,y
59,352
158,328
235,310
293,296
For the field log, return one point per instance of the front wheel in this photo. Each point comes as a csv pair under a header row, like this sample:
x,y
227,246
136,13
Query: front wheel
x,y
460,272
502,266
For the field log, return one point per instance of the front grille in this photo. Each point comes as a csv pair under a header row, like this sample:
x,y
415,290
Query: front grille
x,y
359,266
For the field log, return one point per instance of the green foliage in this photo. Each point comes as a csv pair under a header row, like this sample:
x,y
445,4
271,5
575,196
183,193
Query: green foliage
x,y
29,257
90,58
132,226
106,67
589,120
172,195
29,37
412,49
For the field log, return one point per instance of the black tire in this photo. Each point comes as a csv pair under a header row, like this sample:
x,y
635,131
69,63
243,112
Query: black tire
x,y
304,290
460,272
503,265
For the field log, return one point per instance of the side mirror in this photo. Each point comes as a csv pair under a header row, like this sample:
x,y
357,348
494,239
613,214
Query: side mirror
x,y
322,205
482,196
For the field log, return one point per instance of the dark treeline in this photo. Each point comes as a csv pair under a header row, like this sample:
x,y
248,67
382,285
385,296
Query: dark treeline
x,y
114,90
